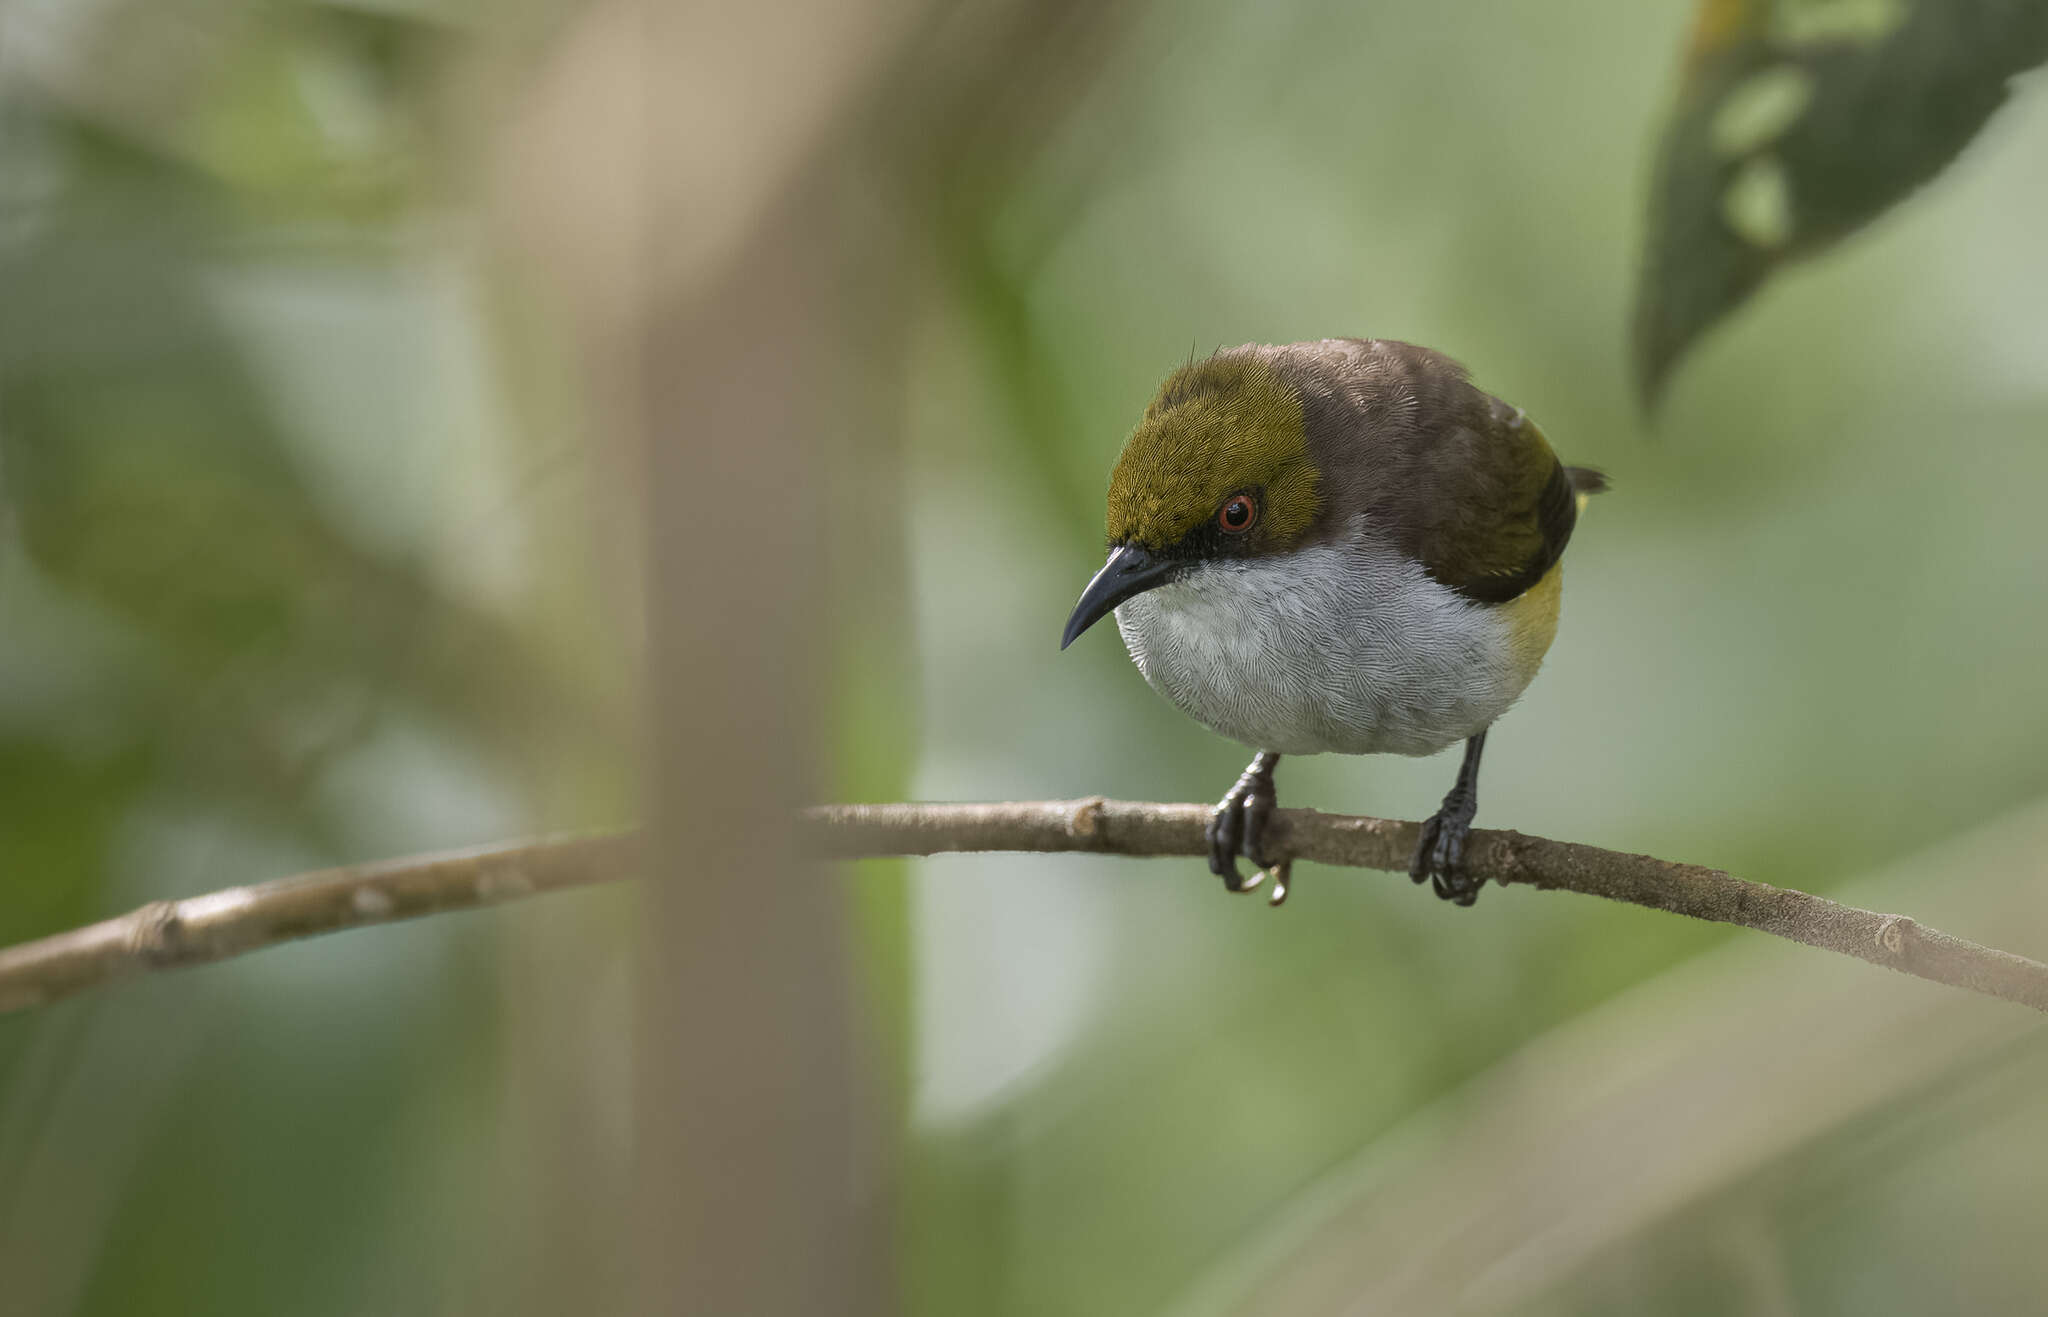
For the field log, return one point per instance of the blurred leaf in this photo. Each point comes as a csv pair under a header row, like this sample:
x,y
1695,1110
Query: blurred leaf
x,y
1797,122
1515,1187
147,477
1005,87
63,805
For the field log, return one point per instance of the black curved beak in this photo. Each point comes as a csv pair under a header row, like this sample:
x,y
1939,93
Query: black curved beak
x,y
1130,570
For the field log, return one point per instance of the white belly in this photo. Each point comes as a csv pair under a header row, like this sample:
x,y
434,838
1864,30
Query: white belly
x,y
1345,648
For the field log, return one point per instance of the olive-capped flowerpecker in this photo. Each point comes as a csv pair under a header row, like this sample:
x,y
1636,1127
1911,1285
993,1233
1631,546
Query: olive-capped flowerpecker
x,y
1341,546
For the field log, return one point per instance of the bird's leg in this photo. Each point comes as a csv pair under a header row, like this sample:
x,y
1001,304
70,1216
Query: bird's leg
x,y
1238,827
1440,850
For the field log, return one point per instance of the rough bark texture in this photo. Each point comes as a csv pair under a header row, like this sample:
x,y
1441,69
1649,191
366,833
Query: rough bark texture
x,y
221,924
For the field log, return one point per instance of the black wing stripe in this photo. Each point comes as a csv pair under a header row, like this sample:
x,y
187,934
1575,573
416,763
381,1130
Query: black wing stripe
x,y
1557,511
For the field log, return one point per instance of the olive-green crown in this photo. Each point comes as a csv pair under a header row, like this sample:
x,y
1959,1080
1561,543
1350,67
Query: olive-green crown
x,y
1219,426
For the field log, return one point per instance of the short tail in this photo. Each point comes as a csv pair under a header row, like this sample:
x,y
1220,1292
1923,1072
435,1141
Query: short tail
x,y
1586,482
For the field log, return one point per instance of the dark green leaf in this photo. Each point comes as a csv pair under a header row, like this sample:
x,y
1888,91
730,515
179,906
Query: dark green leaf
x,y
1799,121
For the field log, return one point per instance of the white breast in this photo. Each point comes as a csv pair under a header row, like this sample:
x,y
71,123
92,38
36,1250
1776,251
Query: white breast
x,y
1348,648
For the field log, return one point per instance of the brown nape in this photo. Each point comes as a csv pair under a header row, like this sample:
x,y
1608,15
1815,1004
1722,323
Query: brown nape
x,y
1454,477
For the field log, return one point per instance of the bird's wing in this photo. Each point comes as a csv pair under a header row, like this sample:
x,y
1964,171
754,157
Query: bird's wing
x,y
1457,479
1505,513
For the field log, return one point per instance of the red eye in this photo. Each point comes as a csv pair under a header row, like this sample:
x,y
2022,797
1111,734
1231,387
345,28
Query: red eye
x,y
1237,514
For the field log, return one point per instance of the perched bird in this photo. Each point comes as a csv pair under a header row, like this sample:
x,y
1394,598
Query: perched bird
x,y
1342,546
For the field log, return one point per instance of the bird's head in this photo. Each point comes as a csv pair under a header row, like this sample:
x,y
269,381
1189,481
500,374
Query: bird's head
x,y
1219,468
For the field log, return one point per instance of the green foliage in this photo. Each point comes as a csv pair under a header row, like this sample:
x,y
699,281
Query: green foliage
x,y
250,622
255,616
1800,121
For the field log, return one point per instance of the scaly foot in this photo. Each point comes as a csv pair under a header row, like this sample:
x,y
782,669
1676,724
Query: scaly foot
x,y
1440,853
1440,850
1238,827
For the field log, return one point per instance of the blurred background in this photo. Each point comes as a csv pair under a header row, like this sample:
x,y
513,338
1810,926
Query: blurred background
x,y
325,339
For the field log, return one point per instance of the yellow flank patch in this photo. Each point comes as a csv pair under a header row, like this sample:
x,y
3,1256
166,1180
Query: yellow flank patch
x,y
1217,427
1532,620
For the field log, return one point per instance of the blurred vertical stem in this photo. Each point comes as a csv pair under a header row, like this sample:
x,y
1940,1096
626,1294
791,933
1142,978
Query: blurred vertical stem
x,y
757,1135
762,1133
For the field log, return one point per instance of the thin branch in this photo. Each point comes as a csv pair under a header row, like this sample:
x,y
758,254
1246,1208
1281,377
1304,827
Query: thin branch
x,y
199,929
167,934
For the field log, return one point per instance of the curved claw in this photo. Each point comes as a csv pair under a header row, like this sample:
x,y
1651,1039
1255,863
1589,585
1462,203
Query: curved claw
x,y
1421,863
1440,847
1226,831
1440,857
1450,862
1238,827
1258,812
